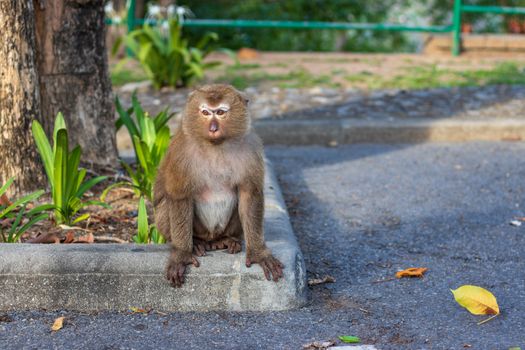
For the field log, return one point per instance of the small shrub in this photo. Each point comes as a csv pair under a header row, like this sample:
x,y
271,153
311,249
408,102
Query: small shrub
x,y
146,233
167,57
151,138
22,219
65,177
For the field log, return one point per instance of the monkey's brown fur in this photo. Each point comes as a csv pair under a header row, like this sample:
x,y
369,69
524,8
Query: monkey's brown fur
x,y
209,189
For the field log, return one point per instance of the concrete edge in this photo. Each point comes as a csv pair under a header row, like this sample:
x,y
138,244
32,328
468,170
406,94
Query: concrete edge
x,y
351,131
117,277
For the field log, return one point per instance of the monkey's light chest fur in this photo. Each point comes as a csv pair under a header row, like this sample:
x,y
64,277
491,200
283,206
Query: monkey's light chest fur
x,y
215,206
220,172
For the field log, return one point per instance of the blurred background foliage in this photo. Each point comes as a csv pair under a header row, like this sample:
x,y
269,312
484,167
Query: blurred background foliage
x,y
407,12
300,10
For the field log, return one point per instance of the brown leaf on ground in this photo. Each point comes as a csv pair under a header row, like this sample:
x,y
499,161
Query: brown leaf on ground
x,y
70,237
5,319
325,279
412,272
319,345
45,238
4,200
86,239
58,324
246,53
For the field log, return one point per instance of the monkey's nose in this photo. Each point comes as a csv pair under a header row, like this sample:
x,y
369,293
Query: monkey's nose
x,y
214,126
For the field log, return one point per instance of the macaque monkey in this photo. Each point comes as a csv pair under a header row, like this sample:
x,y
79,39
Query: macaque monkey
x,y
209,189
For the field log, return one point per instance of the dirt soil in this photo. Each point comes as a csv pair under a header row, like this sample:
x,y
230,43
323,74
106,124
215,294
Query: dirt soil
x,y
117,224
342,64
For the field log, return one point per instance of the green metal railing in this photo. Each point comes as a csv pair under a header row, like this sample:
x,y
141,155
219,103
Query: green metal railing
x,y
455,28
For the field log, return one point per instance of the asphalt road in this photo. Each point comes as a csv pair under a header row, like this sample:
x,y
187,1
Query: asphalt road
x,y
361,213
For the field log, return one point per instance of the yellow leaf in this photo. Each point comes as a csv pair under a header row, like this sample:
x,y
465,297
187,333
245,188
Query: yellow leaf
x,y
412,272
136,310
477,300
58,324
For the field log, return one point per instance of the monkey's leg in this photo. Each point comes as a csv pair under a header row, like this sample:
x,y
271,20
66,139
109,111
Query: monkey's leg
x,y
181,231
201,237
232,236
251,212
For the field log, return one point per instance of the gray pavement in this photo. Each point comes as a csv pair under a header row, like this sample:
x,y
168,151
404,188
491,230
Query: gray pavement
x,y
360,213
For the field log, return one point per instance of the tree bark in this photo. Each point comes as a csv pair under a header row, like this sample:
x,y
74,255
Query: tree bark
x,y
19,97
73,73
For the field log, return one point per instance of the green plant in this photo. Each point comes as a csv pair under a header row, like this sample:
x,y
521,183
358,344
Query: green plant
x,y
16,212
167,58
146,233
150,137
123,75
65,177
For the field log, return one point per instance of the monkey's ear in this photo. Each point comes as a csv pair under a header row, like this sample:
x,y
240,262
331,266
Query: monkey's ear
x,y
244,98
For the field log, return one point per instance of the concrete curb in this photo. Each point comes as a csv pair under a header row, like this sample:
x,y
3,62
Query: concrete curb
x,y
348,131
119,276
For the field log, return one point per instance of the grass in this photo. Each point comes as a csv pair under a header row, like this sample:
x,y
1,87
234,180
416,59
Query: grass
x,y
293,79
123,76
424,76
431,76
242,66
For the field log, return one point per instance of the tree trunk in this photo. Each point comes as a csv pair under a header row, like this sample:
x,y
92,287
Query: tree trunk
x,y
140,8
119,5
73,73
19,97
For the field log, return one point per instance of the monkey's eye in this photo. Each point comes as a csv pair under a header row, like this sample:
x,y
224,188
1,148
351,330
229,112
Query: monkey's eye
x,y
220,112
205,112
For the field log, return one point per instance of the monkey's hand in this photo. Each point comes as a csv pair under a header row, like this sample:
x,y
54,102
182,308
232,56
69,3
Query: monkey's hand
x,y
272,267
177,266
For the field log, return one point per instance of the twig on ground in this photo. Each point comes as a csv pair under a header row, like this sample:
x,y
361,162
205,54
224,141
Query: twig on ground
x,y
488,319
103,239
325,279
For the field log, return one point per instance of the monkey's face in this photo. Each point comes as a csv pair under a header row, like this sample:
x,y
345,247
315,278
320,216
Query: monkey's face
x,y
217,113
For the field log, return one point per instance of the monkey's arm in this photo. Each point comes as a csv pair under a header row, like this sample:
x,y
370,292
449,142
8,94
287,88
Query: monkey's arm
x,y
181,232
174,214
251,212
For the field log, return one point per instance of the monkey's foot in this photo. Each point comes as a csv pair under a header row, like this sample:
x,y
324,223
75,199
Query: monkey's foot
x,y
231,244
271,266
177,266
200,246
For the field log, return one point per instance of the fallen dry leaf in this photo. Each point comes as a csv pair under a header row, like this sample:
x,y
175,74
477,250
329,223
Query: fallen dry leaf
x,y
4,200
44,238
412,272
70,237
325,279
5,319
511,138
86,239
477,300
58,324
319,345
137,310
246,53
